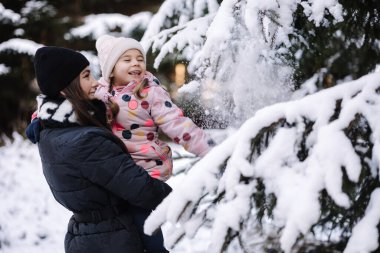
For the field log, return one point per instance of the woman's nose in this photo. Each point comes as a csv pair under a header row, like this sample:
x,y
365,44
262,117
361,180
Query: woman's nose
x,y
95,84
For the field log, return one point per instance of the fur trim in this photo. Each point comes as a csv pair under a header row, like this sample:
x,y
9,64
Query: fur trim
x,y
57,110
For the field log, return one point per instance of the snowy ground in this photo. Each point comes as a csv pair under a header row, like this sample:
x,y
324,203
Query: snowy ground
x,y
31,220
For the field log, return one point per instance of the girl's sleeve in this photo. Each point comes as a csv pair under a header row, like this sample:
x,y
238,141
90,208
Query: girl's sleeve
x,y
101,92
182,130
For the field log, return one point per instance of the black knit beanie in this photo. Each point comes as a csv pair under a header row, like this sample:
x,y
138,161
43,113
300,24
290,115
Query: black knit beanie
x,y
56,68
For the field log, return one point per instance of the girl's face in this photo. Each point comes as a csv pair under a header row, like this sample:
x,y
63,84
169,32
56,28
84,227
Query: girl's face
x,y
129,67
88,83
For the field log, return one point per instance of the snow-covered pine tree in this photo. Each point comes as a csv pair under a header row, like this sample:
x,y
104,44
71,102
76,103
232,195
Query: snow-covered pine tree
x,y
211,41
15,68
25,26
249,42
301,176
337,50
239,49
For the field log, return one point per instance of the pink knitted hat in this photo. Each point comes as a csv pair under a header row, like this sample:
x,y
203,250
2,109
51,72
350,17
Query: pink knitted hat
x,y
111,48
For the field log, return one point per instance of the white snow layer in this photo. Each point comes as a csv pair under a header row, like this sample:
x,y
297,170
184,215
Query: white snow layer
x,y
292,181
31,220
22,46
99,24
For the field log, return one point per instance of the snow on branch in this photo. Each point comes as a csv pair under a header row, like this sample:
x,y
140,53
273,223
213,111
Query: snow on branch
x,y
315,9
231,15
177,13
4,69
186,39
291,170
233,47
22,46
8,15
98,24
365,228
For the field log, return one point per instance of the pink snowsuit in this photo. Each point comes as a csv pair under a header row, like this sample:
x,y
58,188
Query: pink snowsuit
x,y
139,120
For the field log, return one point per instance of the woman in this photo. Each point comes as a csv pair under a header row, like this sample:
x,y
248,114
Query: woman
x,y
88,169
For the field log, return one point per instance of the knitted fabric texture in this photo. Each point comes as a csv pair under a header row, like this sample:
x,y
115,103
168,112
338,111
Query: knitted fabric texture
x,y
111,48
56,68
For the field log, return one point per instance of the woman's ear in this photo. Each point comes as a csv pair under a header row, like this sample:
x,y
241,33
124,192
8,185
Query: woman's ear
x,y
62,93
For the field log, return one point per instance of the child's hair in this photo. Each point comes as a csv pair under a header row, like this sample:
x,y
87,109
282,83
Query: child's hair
x,y
114,109
137,91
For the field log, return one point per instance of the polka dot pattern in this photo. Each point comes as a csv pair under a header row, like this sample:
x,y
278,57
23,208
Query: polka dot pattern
x,y
143,117
134,126
186,137
133,104
145,104
139,133
150,136
132,114
126,98
160,120
149,123
127,134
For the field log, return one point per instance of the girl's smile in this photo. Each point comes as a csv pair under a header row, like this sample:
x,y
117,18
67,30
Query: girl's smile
x,y
129,67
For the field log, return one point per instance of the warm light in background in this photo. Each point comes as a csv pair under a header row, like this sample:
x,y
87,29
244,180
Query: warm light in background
x,y
180,73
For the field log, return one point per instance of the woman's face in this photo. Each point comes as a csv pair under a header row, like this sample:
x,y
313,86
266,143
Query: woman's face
x,y
129,67
88,83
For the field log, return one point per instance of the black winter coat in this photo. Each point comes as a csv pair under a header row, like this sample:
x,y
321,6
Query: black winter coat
x,y
87,169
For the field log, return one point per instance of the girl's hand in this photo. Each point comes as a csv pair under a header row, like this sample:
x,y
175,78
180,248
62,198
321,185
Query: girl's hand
x,y
102,93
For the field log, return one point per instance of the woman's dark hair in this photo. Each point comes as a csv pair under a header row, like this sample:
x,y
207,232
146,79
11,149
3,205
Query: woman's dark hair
x,y
87,112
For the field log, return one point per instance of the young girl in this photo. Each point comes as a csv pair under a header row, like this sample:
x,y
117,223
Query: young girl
x,y
144,108
86,167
